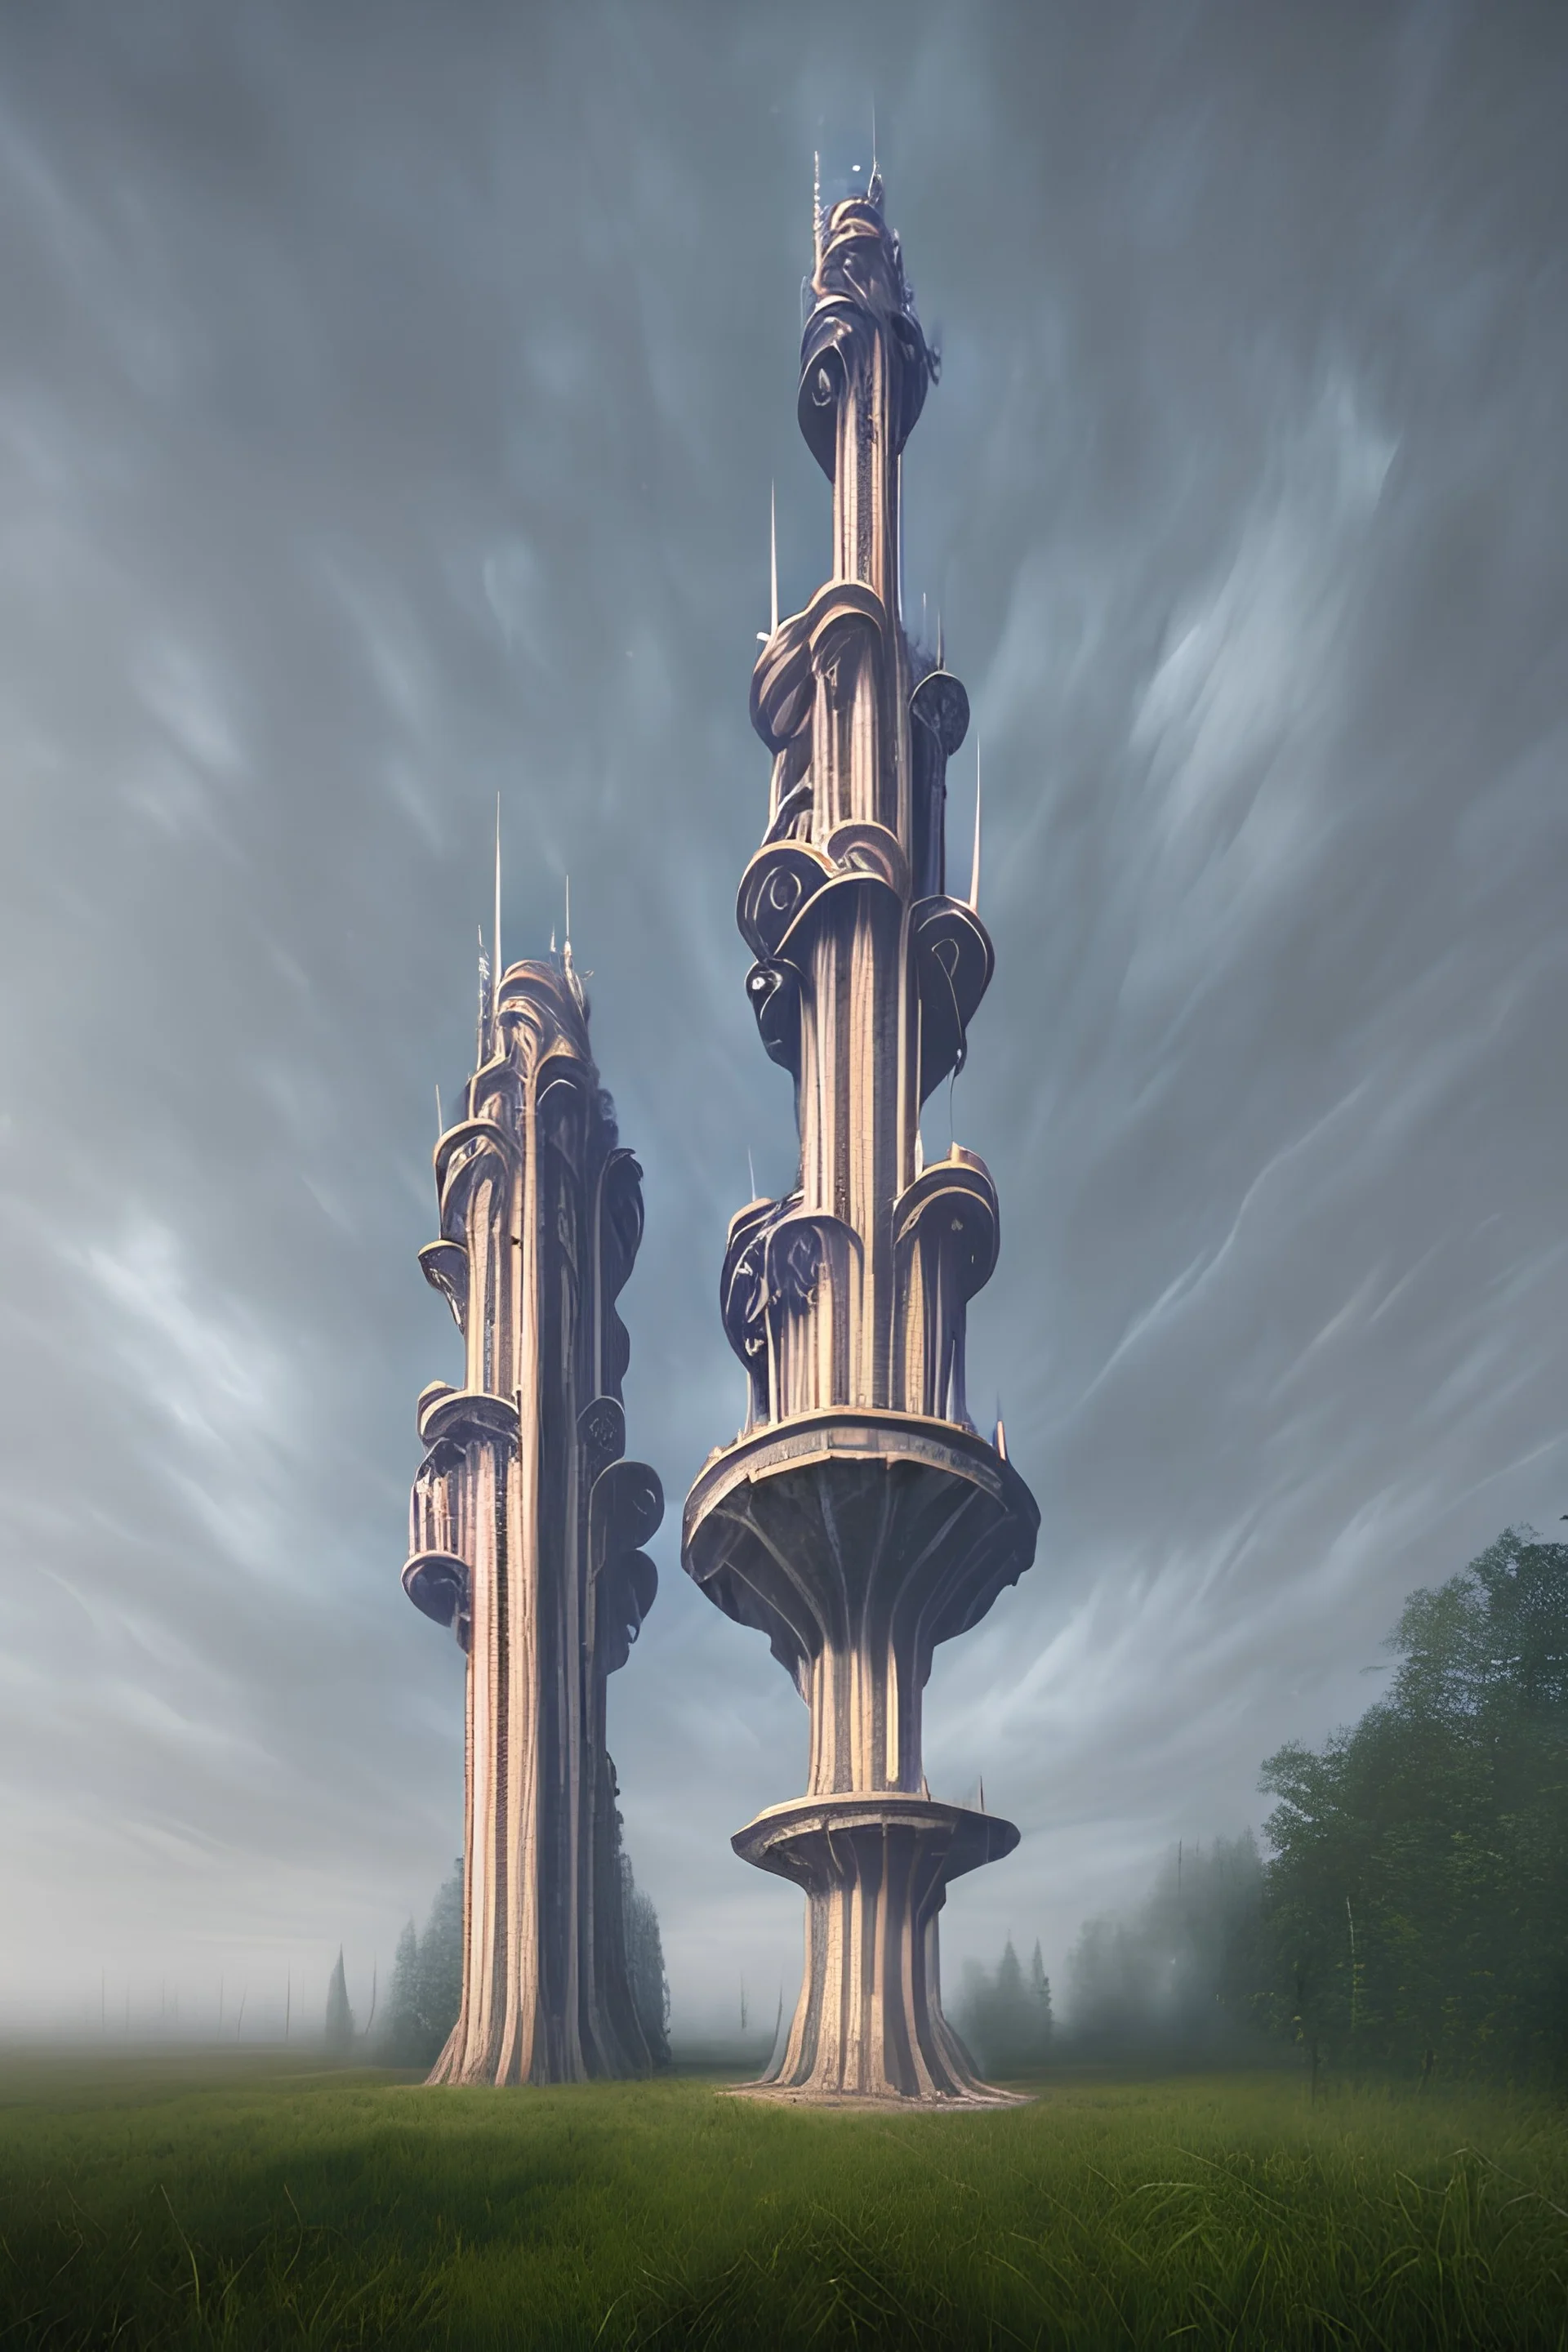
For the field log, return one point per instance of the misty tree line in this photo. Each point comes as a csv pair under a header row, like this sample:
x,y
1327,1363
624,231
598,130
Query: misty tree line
x,y
1413,1912
1005,2014
425,1987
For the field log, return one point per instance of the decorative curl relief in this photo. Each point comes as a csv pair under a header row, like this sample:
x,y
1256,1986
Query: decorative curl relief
x,y
939,721
946,1235
777,885
954,963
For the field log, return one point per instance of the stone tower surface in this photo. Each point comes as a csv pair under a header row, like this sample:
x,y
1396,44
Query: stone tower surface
x,y
860,1518
526,1527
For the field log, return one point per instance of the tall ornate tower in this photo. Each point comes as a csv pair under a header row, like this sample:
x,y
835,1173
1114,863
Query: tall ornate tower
x,y
860,1519
525,1532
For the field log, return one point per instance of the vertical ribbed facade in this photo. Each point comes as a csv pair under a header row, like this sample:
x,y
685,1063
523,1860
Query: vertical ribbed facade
x,y
526,1527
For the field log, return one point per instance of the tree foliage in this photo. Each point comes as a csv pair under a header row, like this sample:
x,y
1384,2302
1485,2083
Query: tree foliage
x,y
1417,1897
426,1984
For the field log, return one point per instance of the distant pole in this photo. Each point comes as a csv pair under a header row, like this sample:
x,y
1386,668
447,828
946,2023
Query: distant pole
x,y
974,862
240,2022
495,936
288,2001
773,561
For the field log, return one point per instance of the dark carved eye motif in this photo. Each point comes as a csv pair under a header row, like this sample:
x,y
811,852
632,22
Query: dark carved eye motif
x,y
821,389
784,891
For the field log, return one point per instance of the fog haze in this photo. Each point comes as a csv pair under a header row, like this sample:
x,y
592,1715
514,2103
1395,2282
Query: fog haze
x,y
388,411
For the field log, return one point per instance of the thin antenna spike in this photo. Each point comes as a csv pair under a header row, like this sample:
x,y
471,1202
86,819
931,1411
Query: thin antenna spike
x,y
440,1121
974,867
751,1170
899,523
495,935
941,661
566,935
816,209
772,559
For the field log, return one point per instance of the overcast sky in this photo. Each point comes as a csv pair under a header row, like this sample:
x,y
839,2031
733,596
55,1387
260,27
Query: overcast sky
x,y
388,404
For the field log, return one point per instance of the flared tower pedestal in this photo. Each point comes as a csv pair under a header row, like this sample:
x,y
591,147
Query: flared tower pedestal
x,y
857,1541
876,1870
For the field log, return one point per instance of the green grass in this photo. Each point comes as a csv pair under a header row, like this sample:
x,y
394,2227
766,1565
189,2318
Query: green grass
x,y
206,2203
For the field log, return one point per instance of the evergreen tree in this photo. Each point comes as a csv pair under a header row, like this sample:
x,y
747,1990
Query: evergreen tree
x,y
1040,1991
340,2029
1006,2022
426,1981
403,2038
441,1963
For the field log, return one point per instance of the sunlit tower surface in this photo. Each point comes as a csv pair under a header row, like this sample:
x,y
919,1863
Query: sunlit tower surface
x,y
526,1530
860,1518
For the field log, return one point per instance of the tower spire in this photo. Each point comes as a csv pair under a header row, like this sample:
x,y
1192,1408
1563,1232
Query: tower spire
x,y
495,933
856,1551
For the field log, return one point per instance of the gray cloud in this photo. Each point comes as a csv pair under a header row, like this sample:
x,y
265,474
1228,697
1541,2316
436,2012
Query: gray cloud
x,y
386,419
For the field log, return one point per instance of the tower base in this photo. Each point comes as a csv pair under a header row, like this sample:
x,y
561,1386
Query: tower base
x,y
875,1868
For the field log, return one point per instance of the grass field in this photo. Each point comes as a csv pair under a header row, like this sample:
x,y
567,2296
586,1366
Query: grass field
x,y
188,2202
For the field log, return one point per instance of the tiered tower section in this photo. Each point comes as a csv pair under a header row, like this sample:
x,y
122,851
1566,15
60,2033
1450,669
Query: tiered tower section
x,y
526,1532
860,1518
